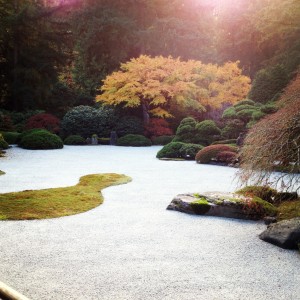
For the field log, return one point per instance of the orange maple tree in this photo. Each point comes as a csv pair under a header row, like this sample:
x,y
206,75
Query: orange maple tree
x,y
160,83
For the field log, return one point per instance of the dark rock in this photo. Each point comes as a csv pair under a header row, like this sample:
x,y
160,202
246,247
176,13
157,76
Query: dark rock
x,y
228,205
269,220
285,234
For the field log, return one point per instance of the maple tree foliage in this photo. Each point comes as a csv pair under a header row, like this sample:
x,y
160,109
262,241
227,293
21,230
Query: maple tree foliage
x,y
161,84
273,144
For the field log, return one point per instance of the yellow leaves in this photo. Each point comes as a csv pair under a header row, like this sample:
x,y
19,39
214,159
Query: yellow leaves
x,y
166,82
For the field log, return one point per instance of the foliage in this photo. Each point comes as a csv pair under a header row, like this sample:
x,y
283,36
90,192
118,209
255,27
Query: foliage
x,y
129,125
41,140
134,140
160,83
264,192
157,127
289,210
5,122
10,137
74,140
207,131
86,121
3,144
209,153
162,140
43,121
268,83
227,157
226,142
58,202
179,150
274,144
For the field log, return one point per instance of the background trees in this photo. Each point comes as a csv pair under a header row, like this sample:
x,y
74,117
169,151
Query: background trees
x,y
161,85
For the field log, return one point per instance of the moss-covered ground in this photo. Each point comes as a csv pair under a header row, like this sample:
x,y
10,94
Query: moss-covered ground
x,y
58,202
289,210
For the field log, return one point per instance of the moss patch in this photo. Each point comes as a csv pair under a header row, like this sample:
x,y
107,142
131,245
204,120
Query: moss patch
x,y
289,210
58,202
200,206
2,173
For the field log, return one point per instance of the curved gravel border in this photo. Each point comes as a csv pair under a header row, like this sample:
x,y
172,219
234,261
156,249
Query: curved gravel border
x,y
131,247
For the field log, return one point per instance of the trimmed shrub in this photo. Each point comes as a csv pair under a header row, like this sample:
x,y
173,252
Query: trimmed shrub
x,y
206,130
189,151
86,121
269,108
11,137
245,102
229,113
129,125
134,140
171,150
74,140
209,153
3,143
179,150
162,140
43,121
157,127
226,142
227,157
233,129
41,139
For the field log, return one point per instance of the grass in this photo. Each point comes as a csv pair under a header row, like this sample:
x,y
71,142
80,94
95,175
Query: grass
x,y
58,202
289,210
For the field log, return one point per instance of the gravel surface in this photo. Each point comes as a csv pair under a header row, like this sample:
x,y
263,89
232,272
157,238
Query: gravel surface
x,y
131,247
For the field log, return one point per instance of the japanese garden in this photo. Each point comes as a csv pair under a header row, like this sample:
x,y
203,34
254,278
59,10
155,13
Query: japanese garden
x,y
149,149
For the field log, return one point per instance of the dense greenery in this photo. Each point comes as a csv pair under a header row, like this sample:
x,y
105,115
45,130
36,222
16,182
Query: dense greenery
x,y
74,140
134,140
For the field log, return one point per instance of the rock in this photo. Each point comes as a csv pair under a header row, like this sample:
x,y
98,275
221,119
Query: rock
x,y
269,220
285,234
228,205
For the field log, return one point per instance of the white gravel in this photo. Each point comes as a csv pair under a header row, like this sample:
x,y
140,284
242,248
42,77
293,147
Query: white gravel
x,y
131,247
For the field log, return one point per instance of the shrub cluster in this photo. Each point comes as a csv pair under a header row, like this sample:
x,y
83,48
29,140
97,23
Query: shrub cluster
x,y
3,143
86,121
74,140
40,139
43,121
179,150
210,153
162,140
157,127
11,137
134,140
129,125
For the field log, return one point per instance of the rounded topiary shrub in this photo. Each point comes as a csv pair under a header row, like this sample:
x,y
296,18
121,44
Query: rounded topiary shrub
x,y
86,121
162,140
207,130
129,125
74,140
189,151
44,121
41,140
171,150
210,153
134,140
11,137
227,157
3,143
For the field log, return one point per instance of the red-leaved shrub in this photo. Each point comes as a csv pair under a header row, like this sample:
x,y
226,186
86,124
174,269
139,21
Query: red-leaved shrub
x,y
227,157
205,155
157,127
44,121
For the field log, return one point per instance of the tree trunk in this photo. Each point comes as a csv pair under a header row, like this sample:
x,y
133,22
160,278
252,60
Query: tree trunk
x,y
146,117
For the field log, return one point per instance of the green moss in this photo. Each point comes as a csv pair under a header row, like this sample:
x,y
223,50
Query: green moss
x,y
200,206
289,210
264,192
265,207
2,173
58,202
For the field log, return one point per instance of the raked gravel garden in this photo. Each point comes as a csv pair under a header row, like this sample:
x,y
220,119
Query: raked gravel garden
x,y
131,247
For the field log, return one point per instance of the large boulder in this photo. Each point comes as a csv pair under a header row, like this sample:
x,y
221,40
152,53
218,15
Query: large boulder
x,y
228,205
285,234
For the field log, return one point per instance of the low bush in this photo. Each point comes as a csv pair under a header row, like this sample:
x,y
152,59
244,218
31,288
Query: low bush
x,y
74,140
179,150
207,130
41,140
134,140
162,140
129,125
3,144
264,192
44,121
226,142
209,153
157,127
245,102
171,150
227,157
11,137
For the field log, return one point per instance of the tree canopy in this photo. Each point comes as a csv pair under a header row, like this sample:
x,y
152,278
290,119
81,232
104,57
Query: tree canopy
x,y
160,83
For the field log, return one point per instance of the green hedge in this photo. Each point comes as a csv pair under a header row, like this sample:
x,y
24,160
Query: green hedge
x,y
10,137
134,140
74,140
179,150
162,140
